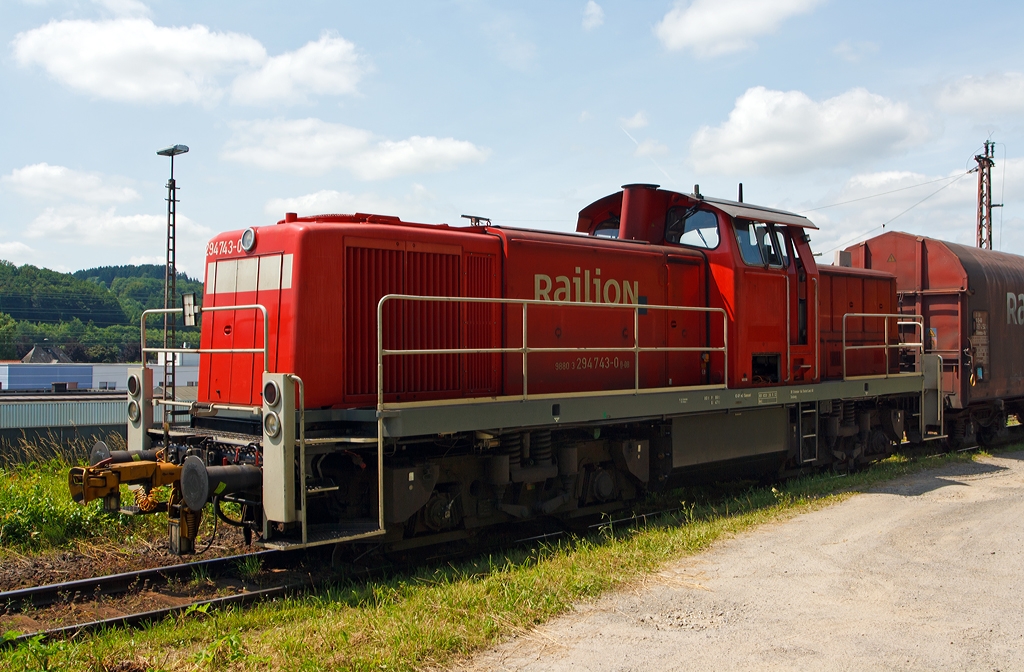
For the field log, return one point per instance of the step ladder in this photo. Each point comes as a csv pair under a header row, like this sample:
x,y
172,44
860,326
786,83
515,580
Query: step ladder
x,y
807,430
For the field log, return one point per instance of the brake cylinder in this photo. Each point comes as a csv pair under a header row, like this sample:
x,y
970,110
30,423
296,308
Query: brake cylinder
x,y
200,483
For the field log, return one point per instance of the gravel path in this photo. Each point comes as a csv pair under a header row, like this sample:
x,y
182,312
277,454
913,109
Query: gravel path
x,y
924,573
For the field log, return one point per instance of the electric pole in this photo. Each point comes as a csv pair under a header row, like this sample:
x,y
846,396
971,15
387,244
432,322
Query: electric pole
x,y
985,163
170,278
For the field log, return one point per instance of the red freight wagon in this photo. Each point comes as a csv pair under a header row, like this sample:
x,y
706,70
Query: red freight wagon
x,y
972,301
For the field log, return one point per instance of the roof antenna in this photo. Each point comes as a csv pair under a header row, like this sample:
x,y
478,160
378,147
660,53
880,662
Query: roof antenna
x,y
696,192
740,199
474,220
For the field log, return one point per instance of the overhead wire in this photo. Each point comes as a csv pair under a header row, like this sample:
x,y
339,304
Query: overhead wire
x,y
884,193
886,223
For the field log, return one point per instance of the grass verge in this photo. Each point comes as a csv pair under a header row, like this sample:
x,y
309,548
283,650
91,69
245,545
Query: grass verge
x,y
433,616
38,514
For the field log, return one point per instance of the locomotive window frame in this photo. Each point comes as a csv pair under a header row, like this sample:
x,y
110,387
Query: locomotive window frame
x,y
760,244
609,228
691,233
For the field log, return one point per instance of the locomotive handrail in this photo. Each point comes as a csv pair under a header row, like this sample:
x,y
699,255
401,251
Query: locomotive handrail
x,y
211,351
916,321
208,351
525,350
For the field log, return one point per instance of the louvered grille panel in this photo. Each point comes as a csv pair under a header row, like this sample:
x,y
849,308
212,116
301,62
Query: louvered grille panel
x,y
431,325
370,273
482,326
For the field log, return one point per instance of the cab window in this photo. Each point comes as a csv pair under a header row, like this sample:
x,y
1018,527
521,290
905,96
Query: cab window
x,y
695,228
760,244
609,228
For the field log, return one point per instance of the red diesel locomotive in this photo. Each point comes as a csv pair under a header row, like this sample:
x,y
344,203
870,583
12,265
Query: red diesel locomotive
x,y
368,380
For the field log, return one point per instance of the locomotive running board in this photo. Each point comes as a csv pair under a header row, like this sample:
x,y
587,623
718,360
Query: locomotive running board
x,y
425,419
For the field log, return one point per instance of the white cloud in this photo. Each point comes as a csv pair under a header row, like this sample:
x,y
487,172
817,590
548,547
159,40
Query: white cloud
x,y
584,116
314,146
124,8
43,181
103,233
716,27
329,66
1001,93
514,51
331,201
593,15
650,148
135,60
638,120
785,131
139,260
853,52
16,252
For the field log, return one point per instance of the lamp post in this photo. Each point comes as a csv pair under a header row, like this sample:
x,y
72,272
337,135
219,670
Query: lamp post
x,y
170,280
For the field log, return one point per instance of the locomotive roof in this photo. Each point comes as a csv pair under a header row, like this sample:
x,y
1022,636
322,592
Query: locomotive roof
x,y
613,203
761,213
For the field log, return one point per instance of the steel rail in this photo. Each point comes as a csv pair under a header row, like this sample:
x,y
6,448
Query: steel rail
x,y
111,584
142,618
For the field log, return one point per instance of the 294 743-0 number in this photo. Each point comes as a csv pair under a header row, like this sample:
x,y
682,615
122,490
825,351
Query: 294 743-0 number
x,y
583,363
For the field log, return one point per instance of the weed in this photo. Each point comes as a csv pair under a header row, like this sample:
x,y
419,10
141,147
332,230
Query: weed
x,y
200,577
194,609
35,654
223,650
249,568
37,512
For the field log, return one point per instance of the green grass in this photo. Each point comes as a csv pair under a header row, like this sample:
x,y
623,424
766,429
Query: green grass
x,y
38,514
437,614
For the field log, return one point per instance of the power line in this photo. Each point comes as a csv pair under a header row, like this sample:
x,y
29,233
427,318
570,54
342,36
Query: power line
x,y
884,193
884,224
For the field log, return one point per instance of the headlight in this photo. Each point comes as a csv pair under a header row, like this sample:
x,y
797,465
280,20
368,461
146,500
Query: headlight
x,y
134,385
249,239
271,393
272,425
134,412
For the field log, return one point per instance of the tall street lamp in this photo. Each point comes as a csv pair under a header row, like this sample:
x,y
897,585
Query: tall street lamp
x,y
170,280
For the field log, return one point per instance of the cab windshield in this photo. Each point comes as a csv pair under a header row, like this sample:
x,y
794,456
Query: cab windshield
x,y
761,244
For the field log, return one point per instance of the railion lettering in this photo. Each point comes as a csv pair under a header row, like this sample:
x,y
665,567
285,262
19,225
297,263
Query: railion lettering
x,y
586,287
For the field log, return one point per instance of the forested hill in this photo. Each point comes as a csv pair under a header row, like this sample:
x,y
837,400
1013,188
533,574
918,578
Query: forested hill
x,y
138,287
93,314
40,295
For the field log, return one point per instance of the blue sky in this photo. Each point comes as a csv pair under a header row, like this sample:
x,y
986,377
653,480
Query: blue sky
x,y
523,112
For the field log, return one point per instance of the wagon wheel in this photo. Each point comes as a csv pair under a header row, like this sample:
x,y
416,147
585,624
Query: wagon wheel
x,y
989,435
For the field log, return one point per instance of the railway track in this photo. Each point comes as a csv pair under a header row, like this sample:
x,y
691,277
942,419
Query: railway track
x,y
84,592
108,589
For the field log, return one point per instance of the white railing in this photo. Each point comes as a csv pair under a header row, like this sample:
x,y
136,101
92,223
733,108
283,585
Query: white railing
x,y
525,349
209,351
902,320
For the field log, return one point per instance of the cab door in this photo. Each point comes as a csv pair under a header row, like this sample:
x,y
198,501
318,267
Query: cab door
x,y
763,305
685,328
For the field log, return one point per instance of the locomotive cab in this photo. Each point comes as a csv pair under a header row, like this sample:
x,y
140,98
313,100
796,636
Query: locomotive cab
x,y
760,271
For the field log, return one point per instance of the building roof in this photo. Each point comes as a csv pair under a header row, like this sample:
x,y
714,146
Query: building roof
x,y
46,354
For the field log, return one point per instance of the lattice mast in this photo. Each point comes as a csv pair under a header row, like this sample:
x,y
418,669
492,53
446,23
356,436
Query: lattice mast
x,y
170,281
985,163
